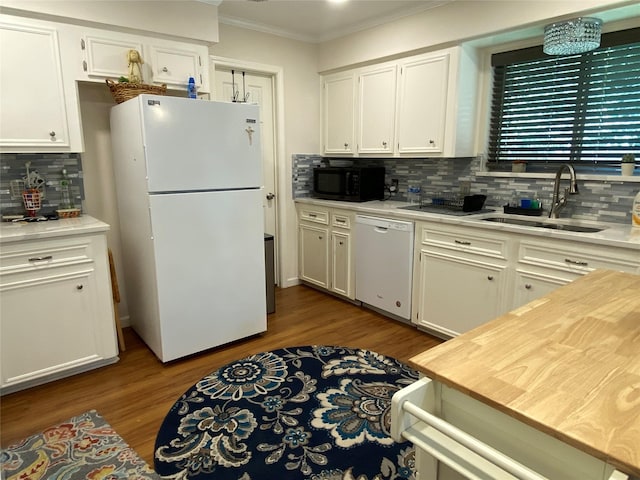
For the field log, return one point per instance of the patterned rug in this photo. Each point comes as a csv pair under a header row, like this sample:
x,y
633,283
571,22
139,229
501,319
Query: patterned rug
x,y
313,412
83,447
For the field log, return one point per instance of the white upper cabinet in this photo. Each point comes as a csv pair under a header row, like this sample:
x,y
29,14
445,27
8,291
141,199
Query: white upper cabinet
x,y
40,111
376,109
107,57
422,104
165,61
174,66
338,122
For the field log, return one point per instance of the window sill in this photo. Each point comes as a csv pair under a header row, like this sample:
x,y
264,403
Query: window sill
x,y
581,176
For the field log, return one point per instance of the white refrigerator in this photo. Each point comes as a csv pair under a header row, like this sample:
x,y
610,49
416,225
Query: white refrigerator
x,y
188,178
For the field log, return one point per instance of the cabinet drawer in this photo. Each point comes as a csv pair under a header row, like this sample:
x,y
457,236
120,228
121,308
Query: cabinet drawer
x,y
315,216
464,240
566,257
341,220
38,255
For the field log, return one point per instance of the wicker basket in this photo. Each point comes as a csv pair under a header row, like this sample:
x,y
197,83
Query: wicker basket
x,y
124,91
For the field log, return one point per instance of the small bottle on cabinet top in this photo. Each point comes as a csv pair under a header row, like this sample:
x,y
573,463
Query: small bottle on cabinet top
x,y
191,88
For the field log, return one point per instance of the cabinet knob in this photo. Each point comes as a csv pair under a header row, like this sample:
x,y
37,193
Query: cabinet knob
x,y
384,144
489,277
432,142
79,286
52,134
270,196
319,237
341,243
346,145
165,69
527,286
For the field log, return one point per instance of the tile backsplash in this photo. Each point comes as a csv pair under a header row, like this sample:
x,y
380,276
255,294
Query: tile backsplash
x,y
600,200
49,166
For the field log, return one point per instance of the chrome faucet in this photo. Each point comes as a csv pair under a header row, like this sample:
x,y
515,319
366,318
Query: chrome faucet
x,y
558,203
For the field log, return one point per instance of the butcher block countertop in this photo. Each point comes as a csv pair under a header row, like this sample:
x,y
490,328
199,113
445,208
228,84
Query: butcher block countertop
x,y
567,364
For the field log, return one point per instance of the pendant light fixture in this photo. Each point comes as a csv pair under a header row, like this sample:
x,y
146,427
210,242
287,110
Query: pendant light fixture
x,y
572,37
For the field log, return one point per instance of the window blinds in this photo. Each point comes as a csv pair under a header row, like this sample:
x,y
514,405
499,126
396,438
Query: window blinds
x,y
583,109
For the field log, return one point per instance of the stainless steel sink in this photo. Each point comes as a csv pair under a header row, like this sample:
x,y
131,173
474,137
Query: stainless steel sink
x,y
539,224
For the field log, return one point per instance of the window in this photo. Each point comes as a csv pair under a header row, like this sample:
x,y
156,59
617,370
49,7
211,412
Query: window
x,y
578,109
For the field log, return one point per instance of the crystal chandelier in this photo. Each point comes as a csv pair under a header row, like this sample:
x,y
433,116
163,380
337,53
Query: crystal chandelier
x,y
572,36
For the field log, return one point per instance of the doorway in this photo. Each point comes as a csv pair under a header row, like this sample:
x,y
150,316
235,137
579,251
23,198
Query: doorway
x,y
237,82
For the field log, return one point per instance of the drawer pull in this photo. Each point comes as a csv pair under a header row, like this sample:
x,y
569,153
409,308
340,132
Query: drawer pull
x,y
489,277
40,259
460,242
527,286
79,286
576,262
312,215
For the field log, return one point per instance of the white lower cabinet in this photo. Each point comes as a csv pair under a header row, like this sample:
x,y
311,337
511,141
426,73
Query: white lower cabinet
x,y
542,267
459,280
464,276
314,255
325,248
529,286
56,309
459,294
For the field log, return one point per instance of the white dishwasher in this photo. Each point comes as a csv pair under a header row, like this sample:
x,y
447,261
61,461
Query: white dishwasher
x,y
384,264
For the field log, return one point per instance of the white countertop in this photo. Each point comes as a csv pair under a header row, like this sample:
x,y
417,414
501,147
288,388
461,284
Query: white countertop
x,y
19,231
613,234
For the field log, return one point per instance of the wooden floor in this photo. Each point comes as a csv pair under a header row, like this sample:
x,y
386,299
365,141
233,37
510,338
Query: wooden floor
x,y
135,394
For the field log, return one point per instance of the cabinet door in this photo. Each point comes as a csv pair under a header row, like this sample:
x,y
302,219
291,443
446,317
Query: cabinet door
x,y
338,115
33,112
376,117
341,263
38,340
174,65
422,103
456,294
530,286
108,57
314,255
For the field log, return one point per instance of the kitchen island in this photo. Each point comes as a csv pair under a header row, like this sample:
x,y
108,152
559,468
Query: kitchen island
x,y
561,374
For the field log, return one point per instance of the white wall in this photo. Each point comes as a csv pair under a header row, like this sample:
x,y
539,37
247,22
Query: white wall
x,y
97,165
298,61
188,19
453,23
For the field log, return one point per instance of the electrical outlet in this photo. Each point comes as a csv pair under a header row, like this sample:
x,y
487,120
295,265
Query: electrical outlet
x,y
394,186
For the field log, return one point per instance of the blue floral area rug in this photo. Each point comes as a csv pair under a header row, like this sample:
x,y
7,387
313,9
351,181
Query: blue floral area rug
x,y
83,447
313,412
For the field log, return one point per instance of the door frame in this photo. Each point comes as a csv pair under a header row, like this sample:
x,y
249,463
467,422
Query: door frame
x,y
276,73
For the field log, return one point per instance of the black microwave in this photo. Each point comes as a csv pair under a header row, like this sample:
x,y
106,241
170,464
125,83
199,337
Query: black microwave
x,y
350,184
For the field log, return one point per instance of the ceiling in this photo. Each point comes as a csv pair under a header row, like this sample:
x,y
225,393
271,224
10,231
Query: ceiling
x,y
317,20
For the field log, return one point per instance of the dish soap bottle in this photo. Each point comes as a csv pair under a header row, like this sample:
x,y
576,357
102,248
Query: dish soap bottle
x,y
635,212
191,88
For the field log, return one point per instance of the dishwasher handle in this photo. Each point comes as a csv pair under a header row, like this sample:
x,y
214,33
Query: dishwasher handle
x,y
380,229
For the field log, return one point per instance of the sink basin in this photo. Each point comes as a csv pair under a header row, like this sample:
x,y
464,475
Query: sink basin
x,y
539,224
